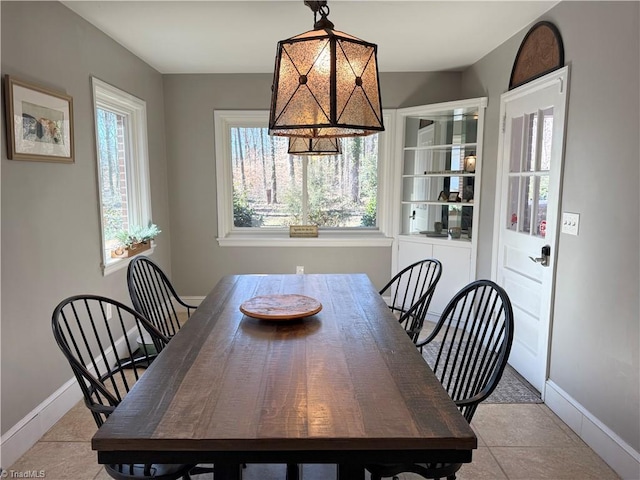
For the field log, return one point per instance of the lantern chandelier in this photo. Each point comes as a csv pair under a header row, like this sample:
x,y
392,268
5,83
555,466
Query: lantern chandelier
x,y
325,84
314,146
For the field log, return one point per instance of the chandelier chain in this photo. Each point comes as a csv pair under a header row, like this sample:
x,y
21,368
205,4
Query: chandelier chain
x,y
324,11
318,6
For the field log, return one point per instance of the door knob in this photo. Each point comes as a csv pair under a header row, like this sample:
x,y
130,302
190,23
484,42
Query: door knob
x,y
545,256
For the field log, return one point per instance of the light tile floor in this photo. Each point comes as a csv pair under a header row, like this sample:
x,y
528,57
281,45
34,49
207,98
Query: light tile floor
x,y
515,442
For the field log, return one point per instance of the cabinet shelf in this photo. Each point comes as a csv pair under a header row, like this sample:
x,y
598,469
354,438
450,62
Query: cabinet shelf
x,y
464,240
444,147
446,173
436,202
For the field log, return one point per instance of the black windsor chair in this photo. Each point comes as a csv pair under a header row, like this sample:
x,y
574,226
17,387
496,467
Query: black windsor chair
x,y
95,334
467,350
411,291
153,295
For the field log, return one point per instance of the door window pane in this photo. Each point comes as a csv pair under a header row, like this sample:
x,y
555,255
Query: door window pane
x,y
541,222
512,209
517,132
547,136
526,204
532,142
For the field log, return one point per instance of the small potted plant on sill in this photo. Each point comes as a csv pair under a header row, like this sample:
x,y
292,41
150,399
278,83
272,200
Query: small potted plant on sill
x,y
135,240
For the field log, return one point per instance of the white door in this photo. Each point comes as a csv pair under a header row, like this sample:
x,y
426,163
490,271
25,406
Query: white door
x,y
530,155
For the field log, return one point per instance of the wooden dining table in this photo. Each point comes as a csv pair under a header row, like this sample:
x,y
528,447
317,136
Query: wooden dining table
x,y
345,386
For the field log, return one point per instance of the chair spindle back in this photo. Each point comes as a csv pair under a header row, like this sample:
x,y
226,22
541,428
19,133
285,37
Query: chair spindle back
x,y
469,347
153,295
98,335
409,294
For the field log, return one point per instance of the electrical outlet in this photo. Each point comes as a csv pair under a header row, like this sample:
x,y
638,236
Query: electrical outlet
x,y
570,223
299,269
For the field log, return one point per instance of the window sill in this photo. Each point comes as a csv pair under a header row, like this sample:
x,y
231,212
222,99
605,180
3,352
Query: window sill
x,y
325,239
119,263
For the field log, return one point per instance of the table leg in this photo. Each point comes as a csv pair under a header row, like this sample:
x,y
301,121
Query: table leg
x,y
293,471
350,472
226,471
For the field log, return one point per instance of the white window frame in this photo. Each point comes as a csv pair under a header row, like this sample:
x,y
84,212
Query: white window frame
x,y
228,235
108,97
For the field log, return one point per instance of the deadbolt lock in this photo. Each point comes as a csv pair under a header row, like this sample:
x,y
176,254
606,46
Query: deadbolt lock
x,y
545,256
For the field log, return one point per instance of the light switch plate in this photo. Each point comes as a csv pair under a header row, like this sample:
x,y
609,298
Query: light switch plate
x,y
570,223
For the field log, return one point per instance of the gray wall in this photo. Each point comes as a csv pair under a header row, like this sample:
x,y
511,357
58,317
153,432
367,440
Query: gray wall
x,y
50,218
198,262
595,333
48,208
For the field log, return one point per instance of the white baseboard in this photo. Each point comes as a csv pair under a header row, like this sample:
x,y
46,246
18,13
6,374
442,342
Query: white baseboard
x,y
433,317
24,434
618,454
193,300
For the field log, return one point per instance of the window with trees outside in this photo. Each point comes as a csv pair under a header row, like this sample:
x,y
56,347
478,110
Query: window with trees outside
x,y
123,167
262,190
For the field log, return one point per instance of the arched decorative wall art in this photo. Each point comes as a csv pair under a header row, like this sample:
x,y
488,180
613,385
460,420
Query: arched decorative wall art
x,y
540,52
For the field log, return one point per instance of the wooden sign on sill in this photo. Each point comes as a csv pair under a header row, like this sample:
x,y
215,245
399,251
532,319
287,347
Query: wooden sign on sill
x,y
303,231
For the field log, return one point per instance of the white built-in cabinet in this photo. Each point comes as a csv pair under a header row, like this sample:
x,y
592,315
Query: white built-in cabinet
x,y
438,166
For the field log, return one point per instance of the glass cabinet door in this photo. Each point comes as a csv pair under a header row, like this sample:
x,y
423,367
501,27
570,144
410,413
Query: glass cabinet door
x,y
439,168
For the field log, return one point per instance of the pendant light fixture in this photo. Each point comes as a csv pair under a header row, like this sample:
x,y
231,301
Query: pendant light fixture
x,y
325,84
314,146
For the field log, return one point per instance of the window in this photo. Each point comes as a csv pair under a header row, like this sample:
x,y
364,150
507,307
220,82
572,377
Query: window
x,y
123,166
262,190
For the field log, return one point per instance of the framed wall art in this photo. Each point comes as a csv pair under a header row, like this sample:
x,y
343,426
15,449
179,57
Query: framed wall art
x,y
39,123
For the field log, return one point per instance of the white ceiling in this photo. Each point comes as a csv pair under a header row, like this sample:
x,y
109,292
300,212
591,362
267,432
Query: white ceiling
x,y
241,36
